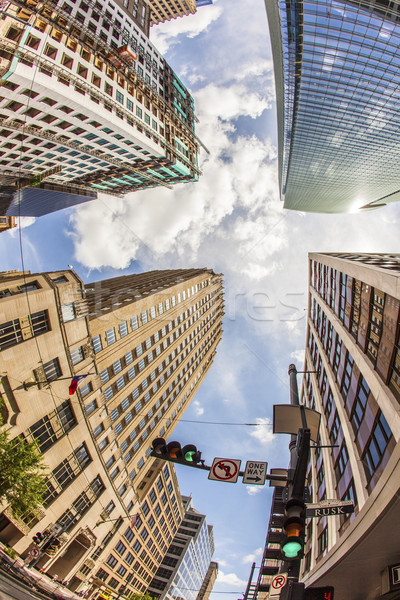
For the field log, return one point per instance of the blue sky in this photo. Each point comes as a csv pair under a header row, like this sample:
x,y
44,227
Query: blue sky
x,y
231,221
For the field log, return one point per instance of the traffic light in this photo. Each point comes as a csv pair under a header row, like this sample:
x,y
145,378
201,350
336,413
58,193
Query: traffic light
x,y
292,545
173,452
38,538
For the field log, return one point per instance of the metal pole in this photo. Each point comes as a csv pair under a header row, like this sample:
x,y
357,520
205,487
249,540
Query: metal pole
x,y
293,567
294,399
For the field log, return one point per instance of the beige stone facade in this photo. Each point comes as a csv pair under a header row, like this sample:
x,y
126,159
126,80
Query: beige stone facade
x,y
165,10
145,343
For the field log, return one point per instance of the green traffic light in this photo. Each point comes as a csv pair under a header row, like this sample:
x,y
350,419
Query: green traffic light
x,y
189,455
292,549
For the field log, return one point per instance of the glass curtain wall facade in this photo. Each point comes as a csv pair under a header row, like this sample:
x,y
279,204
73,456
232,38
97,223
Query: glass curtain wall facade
x,y
353,345
337,79
186,564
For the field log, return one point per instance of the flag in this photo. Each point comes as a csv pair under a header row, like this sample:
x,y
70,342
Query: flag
x,y
134,520
74,383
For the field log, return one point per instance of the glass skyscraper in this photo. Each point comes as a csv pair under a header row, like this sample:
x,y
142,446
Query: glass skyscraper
x,y
187,561
337,84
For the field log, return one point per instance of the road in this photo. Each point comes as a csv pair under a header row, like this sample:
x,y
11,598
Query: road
x,y
14,589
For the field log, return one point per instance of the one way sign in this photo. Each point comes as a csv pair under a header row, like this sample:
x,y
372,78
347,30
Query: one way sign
x,y
255,472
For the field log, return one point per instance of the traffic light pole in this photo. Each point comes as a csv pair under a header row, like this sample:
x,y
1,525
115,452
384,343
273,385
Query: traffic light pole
x,y
299,448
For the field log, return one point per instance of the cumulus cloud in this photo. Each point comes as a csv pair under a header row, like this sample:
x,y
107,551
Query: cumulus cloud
x,y
230,579
167,34
250,558
263,431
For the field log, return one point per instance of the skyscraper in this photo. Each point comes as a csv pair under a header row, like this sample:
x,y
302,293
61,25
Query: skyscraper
x,y
187,562
165,10
143,343
337,84
353,345
88,105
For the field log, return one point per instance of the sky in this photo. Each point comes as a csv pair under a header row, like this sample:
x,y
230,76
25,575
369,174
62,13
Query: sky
x,y
232,221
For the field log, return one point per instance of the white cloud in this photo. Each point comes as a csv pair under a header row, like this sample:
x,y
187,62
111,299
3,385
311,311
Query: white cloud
x,y
230,579
250,558
167,34
199,410
263,431
253,490
298,357
221,562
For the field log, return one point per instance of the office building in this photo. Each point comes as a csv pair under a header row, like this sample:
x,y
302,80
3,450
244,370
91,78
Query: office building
x,y
144,344
336,80
186,571
353,344
88,105
165,10
208,583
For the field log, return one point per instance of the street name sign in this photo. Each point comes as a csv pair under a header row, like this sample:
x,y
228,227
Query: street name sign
x,y
329,508
225,469
277,584
255,473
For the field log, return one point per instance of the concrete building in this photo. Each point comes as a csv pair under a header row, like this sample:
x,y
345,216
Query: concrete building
x,y
186,571
353,344
145,343
100,109
165,10
337,103
208,583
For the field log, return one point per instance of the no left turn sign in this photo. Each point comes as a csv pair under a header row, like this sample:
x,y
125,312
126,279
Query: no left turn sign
x,y
225,469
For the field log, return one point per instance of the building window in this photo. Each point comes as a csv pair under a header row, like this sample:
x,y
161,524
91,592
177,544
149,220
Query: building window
x,y
110,336
54,426
120,548
143,317
377,444
97,345
123,329
134,323
111,561
77,355
68,312
52,369
86,389
12,332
